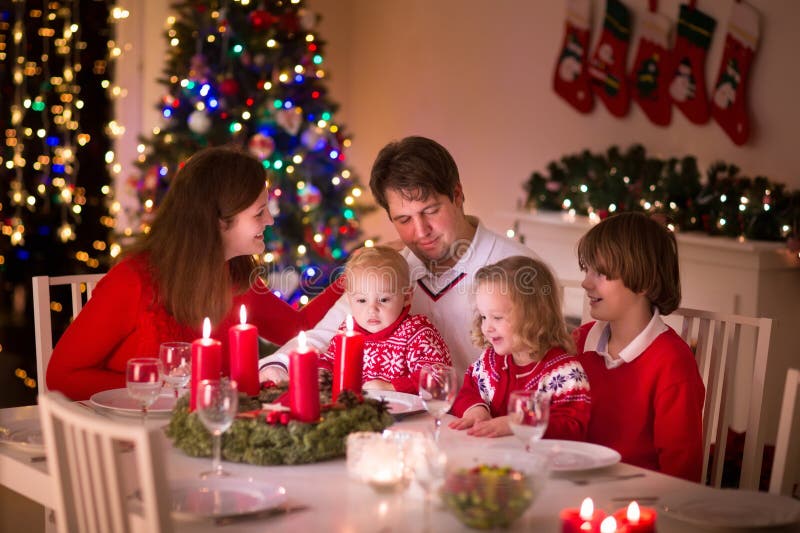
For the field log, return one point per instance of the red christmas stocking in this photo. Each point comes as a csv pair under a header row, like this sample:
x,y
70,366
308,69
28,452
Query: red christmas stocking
x,y
728,101
607,67
688,83
649,78
571,80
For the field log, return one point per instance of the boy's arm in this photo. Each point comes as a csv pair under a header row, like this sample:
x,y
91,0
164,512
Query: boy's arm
x,y
678,428
277,364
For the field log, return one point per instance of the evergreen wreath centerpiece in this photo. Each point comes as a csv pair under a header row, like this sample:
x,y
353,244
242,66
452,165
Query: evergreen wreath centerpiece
x,y
271,437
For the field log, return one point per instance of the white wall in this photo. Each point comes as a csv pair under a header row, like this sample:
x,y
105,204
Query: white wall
x,y
477,77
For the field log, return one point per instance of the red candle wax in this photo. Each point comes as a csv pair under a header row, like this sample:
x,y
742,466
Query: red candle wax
x,y
583,520
635,519
243,341
304,382
206,360
348,360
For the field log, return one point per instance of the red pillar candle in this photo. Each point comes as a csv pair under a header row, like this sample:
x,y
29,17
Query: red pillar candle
x,y
304,382
348,360
206,360
583,520
243,344
635,519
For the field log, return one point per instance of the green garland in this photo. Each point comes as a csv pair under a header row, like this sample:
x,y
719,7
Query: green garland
x,y
725,203
254,441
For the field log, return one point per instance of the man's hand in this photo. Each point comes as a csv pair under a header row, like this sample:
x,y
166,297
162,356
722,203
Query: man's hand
x,y
496,427
273,373
377,384
475,414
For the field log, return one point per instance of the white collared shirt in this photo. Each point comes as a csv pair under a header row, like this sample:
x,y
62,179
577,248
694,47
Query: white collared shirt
x,y
444,298
597,341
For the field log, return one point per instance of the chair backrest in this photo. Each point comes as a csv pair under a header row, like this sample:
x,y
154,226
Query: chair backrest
x,y
80,285
716,337
91,467
785,477
574,287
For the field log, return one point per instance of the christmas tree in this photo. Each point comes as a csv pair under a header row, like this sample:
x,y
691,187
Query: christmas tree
x,y
56,210
253,74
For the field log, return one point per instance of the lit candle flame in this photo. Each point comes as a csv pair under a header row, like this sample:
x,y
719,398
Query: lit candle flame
x,y
302,344
349,322
206,327
608,525
243,315
633,513
587,509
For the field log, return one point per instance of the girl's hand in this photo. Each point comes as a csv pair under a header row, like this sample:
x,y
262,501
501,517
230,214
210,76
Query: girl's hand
x,y
496,427
377,384
473,415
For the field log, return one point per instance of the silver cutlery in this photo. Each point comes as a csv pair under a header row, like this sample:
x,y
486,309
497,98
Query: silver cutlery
x,y
648,499
603,479
38,458
267,513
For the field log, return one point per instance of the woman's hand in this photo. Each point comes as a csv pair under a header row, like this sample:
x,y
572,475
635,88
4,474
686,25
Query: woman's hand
x,y
475,414
377,384
496,427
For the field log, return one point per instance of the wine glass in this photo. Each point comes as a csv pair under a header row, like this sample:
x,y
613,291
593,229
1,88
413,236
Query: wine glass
x,y
143,381
437,390
217,405
528,414
176,358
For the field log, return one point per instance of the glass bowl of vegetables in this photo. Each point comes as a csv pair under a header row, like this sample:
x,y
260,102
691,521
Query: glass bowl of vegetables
x,y
488,490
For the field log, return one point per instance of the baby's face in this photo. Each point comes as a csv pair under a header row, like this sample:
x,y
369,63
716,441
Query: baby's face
x,y
376,297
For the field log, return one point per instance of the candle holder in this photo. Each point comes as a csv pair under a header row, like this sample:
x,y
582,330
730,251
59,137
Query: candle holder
x,y
378,459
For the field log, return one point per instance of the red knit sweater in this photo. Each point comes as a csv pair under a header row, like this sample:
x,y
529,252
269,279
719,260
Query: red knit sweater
x,y
122,320
651,409
490,380
397,353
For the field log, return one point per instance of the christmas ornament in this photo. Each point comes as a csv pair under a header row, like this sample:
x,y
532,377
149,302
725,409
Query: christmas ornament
x,y
571,79
309,197
687,86
314,138
649,78
289,23
229,87
290,120
607,66
728,103
199,122
261,145
261,19
307,19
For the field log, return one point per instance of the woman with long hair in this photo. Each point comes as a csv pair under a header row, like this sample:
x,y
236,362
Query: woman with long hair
x,y
198,260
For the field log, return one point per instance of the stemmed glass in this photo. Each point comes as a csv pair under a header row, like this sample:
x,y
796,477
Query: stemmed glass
x,y
176,358
143,381
437,390
528,414
217,404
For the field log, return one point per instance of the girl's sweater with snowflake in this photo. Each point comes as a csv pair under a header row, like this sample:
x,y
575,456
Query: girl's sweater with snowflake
x,y
490,380
397,353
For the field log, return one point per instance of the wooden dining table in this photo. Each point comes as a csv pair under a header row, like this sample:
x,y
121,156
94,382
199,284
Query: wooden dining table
x,y
329,500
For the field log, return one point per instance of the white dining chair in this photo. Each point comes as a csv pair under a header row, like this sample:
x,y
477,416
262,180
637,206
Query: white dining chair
x,y
94,469
80,290
717,352
573,286
785,478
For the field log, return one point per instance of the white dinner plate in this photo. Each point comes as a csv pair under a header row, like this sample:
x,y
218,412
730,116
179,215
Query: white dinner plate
x,y
400,403
118,401
573,456
219,497
23,435
728,509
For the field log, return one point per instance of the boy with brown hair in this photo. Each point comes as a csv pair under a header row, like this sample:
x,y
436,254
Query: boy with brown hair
x,y
647,394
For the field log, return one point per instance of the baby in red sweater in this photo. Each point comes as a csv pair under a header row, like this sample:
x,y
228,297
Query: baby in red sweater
x,y
528,348
647,394
397,344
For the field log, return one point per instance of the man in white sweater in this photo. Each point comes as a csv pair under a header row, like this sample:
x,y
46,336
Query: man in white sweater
x,y
416,181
